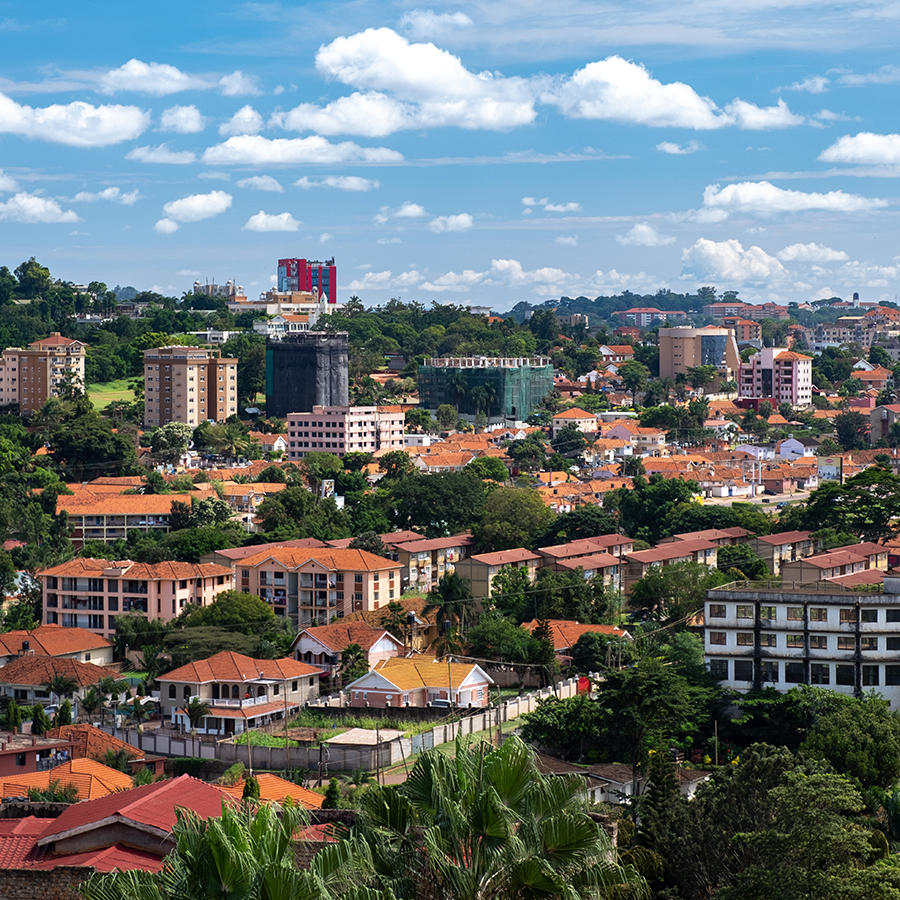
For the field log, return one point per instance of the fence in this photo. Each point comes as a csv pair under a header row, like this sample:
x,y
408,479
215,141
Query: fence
x,y
348,757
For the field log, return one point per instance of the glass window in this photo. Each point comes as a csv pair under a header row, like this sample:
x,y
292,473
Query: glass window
x,y
795,613
870,676
745,612
793,673
868,643
845,675
892,615
818,615
868,615
768,640
892,675
795,640
718,668
818,642
767,612
768,670
893,643
717,610
819,673
743,670
745,639
717,637
848,615
846,643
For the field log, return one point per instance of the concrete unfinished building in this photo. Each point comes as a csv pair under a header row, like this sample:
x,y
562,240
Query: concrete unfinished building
x,y
306,370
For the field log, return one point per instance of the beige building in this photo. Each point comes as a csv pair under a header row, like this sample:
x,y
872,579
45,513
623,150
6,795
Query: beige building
x,y
345,429
28,378
90,593
188,384
684,348
480,570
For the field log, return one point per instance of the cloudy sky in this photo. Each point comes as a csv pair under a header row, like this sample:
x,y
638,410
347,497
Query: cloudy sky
x,y
475,151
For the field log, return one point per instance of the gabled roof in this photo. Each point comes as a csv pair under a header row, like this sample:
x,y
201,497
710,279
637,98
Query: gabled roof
x,y
91,778
231,666
237,554
584,547
92,743
40,670
505,557
52,640
276,790
410,674
575,413
674,550
167,570
786,537
566,634
339,635
335,559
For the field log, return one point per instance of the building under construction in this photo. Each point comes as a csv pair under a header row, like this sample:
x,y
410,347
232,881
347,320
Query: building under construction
x,y
505,389
304,370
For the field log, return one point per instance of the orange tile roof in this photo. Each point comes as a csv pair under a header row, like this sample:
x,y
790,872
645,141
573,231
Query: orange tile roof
x,y
52,640
575,413
91,778
566,633
39,670
339,635
791,356
91,743
375,617
104,504
167,570
338,560
273,789
231,666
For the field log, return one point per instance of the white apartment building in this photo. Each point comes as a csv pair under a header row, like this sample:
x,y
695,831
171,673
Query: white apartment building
x,y
345,429
778,374
820,634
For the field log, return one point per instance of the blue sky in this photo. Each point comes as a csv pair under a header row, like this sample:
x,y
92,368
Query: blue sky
x,y
484,152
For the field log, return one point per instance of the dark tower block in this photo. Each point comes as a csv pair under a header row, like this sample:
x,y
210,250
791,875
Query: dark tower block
x,y
306,370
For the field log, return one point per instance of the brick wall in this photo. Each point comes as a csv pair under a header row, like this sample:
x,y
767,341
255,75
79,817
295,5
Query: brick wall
x,y
53,884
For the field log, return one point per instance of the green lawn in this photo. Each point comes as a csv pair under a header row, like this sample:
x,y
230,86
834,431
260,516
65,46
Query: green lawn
x,y
101,395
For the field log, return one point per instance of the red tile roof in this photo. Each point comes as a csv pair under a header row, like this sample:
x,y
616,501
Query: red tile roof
x,y
167,570
505,557
39,670
91,743
52,640
231,666
566,634
275,789
339,635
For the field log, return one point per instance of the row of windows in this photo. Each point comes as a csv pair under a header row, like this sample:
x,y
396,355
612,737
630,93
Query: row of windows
x,y
795,613
795,641
793,672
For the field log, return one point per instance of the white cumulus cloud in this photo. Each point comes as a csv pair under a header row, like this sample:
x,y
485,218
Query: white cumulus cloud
x,y
182,119
426,23
325,237
161,154
568,240
245,121
76,124
114,194
864,148
459,222
644,235
166,226
261,183
35,209
813,84
157,79
454,282
410,210
750,117
764,197
512,272
7,183
729,261
197,207
386,280
884,75
251,149
372,114
266,222
677,149
238,83
529,202
341,182
811,253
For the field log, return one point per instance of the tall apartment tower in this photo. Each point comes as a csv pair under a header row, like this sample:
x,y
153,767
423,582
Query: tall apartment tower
x,y
305,370
308,275
684,348
188,384
28,378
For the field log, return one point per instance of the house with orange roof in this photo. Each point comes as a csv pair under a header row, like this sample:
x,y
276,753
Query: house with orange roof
x,y
91,779
432,463
271,443
479,570
90,593
53,640
241,692
645,441
313,586
877,378
565,633
424,563
323,645
616,353
25,679
88,742
412,682
273,789
245,498
576,418
418,622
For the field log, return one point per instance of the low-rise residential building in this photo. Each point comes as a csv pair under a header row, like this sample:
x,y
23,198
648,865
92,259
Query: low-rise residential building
x,y
323,645
89,779
881,421
89,742
760,635
313,586
723,537
242,692
565,634
645,441
25,679
638,564
21,754
53,640
90,593
424,563
433,682
577,418
834,563
345,429
479,570
616,545
604,566
418,624
777,549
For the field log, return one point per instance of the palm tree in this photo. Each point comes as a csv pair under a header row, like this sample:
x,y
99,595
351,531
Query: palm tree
x,y
138,710
196,711
459,387
354,663
246,854
61,686
488,826
91,701
117,759
109,687
447,600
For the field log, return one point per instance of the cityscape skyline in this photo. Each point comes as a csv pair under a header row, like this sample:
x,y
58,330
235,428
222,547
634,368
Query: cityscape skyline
x,y
464,152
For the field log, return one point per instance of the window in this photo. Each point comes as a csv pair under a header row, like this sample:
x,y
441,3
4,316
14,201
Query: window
x,y
311,681
768,670
294,686
745,612
870,676
868,615
717,610
846,643
745,639
795,640
845,675
868,643
357,579
767,612
793,673
848,615
820,673
795,613
768,640
892,675
20,759
743,670
893,643
171,691
892,615
818,615
718,668
818,642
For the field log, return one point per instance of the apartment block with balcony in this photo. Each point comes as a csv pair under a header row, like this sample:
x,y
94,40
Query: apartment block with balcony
x,y
777,374
345,429
28,378
823,634
684,348
313,586
188,384
424,563
242,692
90,593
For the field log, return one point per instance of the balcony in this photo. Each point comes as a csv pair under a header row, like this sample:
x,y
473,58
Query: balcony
x,y
250,701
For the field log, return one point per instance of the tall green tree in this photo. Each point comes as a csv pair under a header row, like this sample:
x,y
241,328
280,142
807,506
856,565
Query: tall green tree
x,y
513,517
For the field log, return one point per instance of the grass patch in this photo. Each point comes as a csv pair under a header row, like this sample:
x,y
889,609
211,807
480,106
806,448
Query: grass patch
x,y
104,393
261,739
337,724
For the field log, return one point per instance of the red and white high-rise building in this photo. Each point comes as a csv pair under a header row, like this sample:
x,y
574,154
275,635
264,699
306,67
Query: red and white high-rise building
x,y
308,275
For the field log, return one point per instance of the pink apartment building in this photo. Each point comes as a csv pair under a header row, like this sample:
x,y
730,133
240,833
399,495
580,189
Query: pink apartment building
x,y
779,374
345,429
